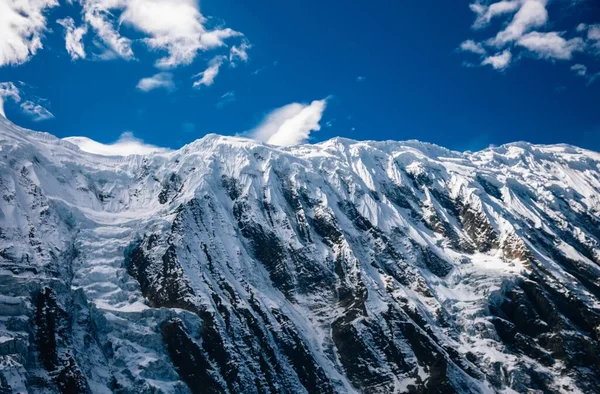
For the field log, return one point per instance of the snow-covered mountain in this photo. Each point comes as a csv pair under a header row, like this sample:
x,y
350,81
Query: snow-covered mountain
x,y
229,266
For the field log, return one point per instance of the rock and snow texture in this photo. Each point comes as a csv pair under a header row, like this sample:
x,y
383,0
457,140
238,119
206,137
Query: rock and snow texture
x,y
230,266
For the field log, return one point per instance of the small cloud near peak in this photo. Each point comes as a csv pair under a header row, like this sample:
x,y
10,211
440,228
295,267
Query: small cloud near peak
x,y
291,124
126,145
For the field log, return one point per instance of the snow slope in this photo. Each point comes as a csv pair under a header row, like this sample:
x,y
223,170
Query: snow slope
x,y
344,266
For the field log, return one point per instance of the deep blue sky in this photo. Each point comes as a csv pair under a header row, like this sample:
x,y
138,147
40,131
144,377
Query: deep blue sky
x,y
415,87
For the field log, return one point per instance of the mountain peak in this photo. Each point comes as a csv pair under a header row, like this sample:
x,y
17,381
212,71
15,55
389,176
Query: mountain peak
x,y
345,266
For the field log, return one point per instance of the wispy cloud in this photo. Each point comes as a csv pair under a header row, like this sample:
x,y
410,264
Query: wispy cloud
x,y
226,99
174,29
592,33
207,77
361,79
8,90
162,80
22,25
472,46
126,145
30,107
486,13
35,111
582,71
73,38
291,124
239,52
579,69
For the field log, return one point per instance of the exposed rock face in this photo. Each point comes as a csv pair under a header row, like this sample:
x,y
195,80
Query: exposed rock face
x,y
233,267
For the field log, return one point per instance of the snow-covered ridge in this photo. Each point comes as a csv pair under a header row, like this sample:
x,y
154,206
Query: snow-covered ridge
x,y
510,150
345,266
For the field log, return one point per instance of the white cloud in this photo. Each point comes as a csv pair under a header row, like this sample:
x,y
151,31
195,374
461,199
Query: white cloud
x,y
290,124
579,69
98,15
73,38
126,145
523,23
593,78
551,45
531,14
22,24
207,77
593,32
593,35
174,27
499,61
226,99
486,13
361,79
35,111
215,38
582,71
8,90
240,52
161,80
472,46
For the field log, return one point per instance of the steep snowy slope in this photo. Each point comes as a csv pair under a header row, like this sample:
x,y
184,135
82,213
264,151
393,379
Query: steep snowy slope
x,y
229,266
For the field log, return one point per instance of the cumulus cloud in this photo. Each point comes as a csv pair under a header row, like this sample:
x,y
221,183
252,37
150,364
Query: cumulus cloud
x,y
290,124
73,38
126,145
531,14
162,80
35,111
207,77
22,25
551,45
499,61
174,27
8,90
523,32
472,46
485,13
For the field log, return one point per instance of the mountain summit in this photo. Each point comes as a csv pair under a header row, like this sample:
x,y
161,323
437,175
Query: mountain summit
x,y
230,266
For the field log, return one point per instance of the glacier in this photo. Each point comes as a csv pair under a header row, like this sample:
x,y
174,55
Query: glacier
x,y
231,266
